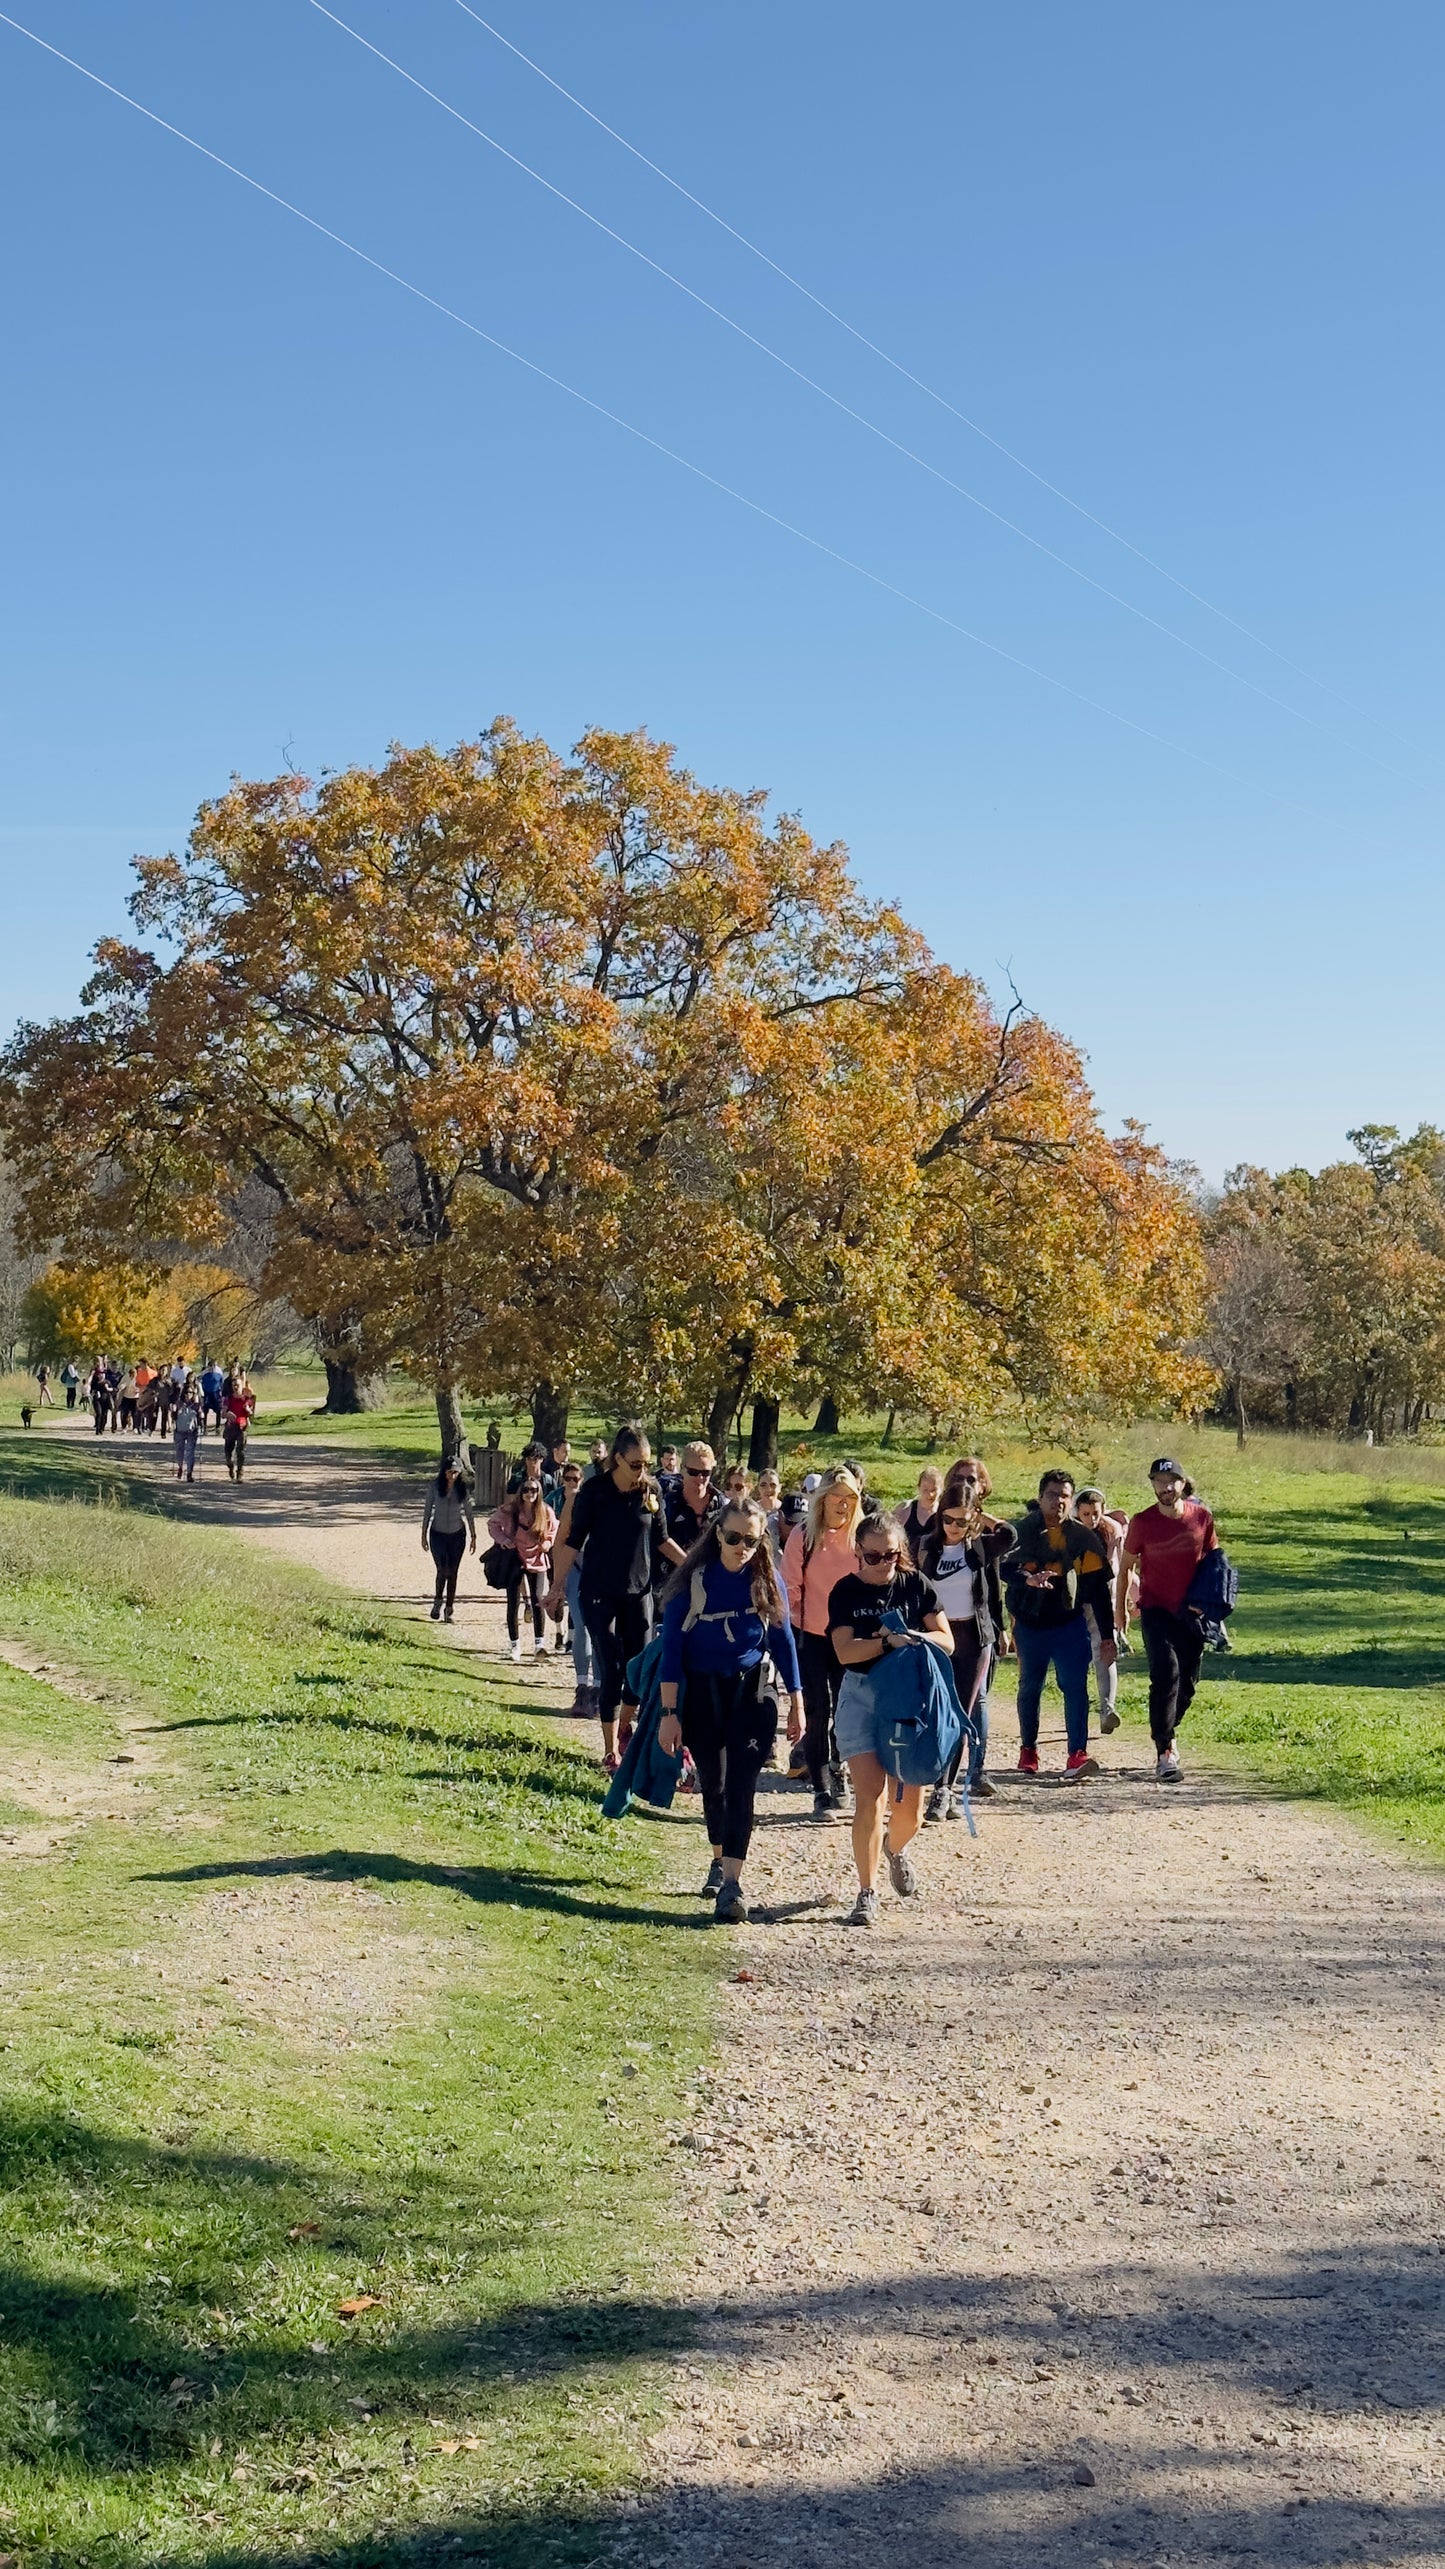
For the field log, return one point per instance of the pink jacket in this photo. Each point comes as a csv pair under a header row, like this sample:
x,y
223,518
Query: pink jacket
x,y
531,1543
810,1586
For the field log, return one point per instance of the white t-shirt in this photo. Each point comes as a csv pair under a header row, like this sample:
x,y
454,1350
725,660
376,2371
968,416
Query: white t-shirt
x,y
953,1580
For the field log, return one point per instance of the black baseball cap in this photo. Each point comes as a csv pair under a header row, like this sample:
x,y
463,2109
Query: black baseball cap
x,y
1165,1464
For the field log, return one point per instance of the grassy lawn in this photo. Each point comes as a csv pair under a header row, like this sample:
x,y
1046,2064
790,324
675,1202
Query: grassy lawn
x,y
339,1991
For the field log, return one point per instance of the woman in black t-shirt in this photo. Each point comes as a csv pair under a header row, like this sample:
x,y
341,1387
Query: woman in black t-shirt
x,y
882,1584
615,1524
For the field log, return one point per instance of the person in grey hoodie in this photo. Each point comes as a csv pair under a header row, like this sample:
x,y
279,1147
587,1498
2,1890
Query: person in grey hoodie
x,y
447,1527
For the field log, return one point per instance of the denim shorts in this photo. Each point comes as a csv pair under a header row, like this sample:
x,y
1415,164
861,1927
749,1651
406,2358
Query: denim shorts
x,y
860,1727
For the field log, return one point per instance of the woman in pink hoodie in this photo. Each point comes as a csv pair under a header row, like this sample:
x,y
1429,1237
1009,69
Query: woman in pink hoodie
x,y
527,1529
816,1556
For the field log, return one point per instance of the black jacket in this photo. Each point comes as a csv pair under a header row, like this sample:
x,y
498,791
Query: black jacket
x,y
984,1553
1083,1564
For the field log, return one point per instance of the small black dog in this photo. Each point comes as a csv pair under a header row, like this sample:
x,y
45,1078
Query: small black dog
x,y
26,1413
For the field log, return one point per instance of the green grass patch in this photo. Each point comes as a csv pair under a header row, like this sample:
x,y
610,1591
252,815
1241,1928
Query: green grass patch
x,y
346,1994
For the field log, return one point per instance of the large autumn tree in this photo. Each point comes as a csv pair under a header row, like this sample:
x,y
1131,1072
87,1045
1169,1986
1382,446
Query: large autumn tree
x,y
574,1071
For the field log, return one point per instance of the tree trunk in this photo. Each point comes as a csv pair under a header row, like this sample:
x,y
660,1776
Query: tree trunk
x,y
449,1422
719,1419
549,1414
347,1392
886,1439
763,1441
1241,1434
827,1422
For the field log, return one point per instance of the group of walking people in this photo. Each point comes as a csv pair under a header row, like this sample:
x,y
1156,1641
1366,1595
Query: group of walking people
x,y
775,1607
174,1400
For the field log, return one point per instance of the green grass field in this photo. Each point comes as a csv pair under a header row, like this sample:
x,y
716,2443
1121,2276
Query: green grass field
x,y
342,1989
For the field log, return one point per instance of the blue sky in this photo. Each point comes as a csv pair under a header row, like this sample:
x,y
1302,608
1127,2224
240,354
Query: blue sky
x,y
262,505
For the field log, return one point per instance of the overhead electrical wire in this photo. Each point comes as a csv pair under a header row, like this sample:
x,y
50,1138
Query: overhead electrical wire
x,y
816,544
919,383
835,400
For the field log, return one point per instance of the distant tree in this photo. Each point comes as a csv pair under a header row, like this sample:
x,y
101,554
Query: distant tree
x,y
1257,1320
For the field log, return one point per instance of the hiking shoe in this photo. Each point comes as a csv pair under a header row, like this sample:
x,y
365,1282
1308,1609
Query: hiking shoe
x,y
515,1653
1108,1721
1081,1763
715,1879
901,1873
980,1790
822,1807
732,1908
436,1612
837,1784
1028,1761
864,1912
1168,1769
447,1614
936,1806
582,1702
561,1643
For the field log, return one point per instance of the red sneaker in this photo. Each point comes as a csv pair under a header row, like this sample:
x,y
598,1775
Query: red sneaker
x,y
1081,1763
1028,1761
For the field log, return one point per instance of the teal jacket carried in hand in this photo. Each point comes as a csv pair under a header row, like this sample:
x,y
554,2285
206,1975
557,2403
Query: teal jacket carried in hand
x,y
646,1773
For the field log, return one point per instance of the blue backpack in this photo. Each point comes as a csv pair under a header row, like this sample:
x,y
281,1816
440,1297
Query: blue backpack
x,y
1214,1588
915,1689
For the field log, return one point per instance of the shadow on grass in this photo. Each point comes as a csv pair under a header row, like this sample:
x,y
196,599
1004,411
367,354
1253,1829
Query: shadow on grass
x,y
124,2380
491,1886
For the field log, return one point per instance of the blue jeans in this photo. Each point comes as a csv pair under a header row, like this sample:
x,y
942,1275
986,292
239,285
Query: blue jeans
x,y
1067,1645
584,1658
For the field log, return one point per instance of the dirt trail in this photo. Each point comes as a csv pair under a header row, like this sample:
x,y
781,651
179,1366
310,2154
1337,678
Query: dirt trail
x,y
1091,2211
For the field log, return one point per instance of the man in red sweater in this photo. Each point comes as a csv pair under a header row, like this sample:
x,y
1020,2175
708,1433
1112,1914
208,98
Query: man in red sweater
x,y
1165,1544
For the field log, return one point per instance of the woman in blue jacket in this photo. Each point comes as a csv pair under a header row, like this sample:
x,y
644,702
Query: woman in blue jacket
x,y
723,1614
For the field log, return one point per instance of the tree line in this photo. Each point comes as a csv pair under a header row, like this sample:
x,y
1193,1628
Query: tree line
x,y
543,1072
1327,1291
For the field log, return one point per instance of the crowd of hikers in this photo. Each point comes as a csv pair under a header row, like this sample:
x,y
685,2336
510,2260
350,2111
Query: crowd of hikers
x,y
175,1400
772,1609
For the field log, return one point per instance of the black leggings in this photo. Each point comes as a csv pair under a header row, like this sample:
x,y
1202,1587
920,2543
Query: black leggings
x,y
730,1726
619,1627
446,1552
822,1678
1174,1645
968,1650
535,1583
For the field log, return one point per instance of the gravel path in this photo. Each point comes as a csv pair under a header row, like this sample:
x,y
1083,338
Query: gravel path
x,y
1090,2210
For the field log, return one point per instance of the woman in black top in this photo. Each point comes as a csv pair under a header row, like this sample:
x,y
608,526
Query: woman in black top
x,y
615,1524
882,1584
960,1551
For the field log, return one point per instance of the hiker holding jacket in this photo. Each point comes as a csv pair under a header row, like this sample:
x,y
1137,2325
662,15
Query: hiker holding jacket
x,y
1166,1544
882,1583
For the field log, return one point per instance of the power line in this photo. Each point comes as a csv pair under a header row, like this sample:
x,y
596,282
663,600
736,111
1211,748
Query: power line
x,y
975,426
835,400
815,543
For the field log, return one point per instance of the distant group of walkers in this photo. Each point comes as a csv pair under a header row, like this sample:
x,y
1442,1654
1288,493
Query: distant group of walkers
x,y
174,1400
776,1606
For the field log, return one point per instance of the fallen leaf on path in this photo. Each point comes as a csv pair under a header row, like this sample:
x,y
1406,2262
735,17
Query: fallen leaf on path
x,y
359,2301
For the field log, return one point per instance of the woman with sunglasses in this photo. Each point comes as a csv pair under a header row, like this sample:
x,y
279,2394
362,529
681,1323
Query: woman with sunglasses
x,y
816,1556
723,1615
614,1525
960,1551
883,1583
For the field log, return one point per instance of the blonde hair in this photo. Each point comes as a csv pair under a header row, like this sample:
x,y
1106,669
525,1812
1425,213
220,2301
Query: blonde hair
x,y
839,1479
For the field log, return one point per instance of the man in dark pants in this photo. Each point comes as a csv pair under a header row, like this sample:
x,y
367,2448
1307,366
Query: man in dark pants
x,y
1165,1544
1057,1570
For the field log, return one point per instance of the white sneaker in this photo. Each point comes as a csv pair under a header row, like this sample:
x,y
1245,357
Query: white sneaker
x,y
516,1652
1168,1769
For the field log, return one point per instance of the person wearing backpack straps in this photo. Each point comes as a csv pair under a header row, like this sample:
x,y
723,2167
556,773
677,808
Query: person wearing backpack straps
x,y
882,1583
1057,1571
1166,1543
724,1618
